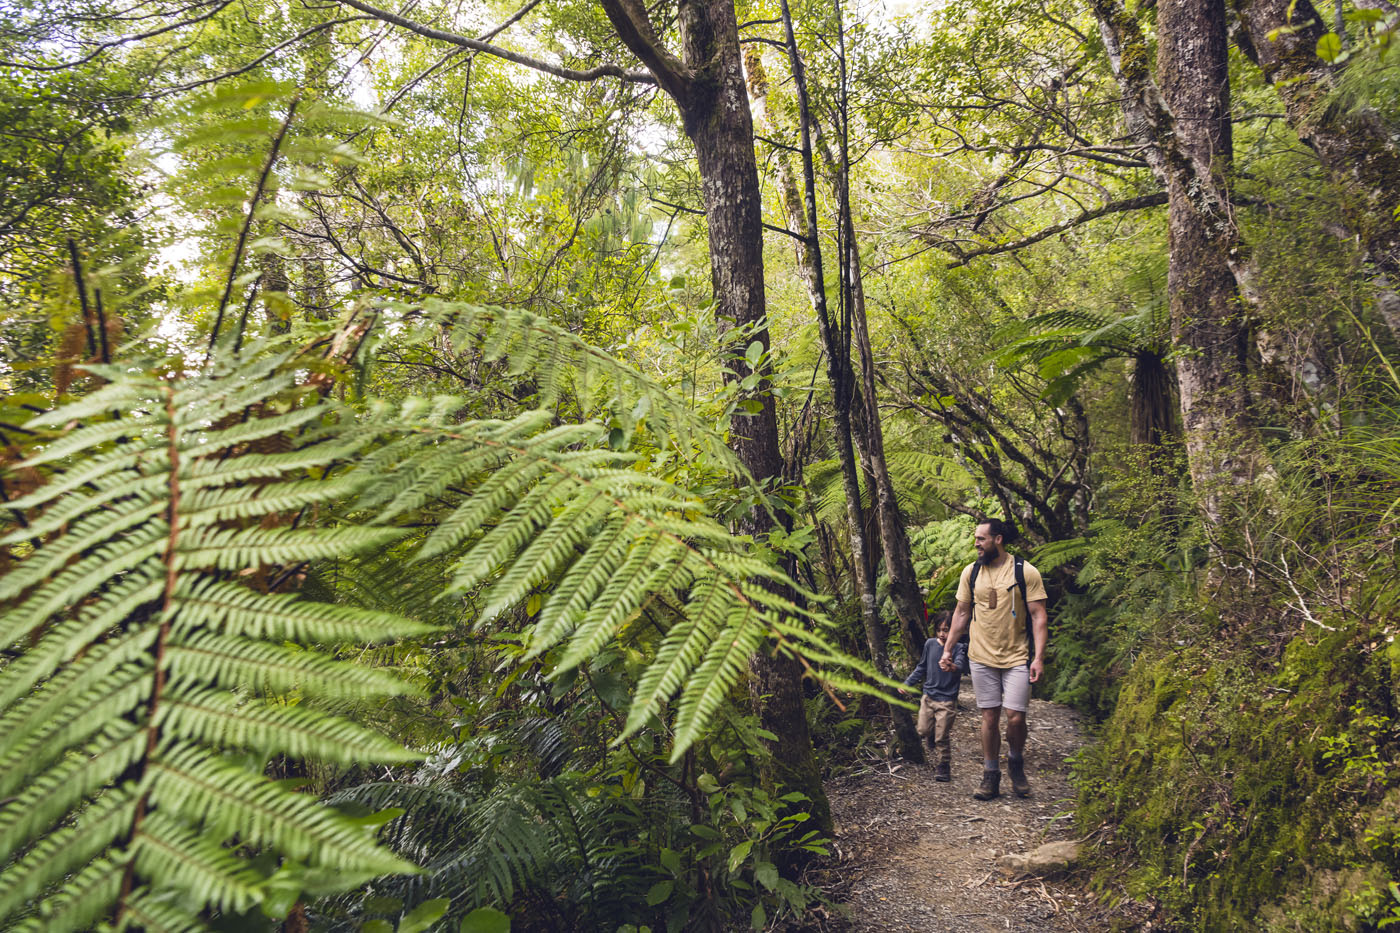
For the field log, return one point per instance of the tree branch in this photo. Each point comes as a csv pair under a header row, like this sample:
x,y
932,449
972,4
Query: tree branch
x,y
476,45
1112,207
633,25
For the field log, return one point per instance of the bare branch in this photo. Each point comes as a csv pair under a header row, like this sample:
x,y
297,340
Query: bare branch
x,y
1112,207
476,45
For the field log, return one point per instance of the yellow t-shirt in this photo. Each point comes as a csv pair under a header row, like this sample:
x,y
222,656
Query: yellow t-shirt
x,y
998,637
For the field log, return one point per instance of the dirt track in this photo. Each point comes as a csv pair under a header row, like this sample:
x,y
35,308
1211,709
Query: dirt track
x,y
917,855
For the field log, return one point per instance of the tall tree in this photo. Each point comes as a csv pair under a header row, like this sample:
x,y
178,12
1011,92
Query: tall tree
x,y
706,81
1183,124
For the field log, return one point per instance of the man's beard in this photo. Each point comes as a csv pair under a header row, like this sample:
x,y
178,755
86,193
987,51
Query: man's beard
x,y
985,558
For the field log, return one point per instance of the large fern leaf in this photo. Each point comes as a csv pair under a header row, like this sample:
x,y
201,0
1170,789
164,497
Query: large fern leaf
x,y
554,511
144,662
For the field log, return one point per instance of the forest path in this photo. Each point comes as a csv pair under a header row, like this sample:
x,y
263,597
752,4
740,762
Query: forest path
x,y
917,855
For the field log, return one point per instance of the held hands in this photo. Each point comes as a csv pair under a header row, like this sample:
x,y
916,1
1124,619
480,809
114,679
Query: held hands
x,y
946,663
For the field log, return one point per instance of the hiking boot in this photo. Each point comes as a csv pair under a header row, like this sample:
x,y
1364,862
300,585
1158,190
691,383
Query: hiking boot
x,y
991,786
1016,767
942,772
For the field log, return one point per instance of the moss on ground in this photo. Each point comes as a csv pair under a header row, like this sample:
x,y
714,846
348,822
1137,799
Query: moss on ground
x,y
1248,790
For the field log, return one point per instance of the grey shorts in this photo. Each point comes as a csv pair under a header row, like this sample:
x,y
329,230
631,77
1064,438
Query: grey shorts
x,y
1002,686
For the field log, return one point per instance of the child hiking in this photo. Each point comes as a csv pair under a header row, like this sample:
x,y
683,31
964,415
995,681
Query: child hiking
x,y
938,706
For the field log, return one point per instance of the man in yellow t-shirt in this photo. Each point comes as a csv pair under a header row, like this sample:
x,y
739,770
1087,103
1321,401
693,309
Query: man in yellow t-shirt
x,y
1005,653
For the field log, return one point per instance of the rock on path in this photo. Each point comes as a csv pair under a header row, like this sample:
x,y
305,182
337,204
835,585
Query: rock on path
x,y
917,855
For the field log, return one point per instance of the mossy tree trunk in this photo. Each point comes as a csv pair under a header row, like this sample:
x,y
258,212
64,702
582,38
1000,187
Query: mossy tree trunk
x,y
1183,122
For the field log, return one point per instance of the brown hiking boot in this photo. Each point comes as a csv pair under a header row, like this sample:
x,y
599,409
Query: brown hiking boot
x,y
942,772
991,786
1017,769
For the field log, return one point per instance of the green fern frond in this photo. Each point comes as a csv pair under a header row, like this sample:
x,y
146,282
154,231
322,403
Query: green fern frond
x,y
265,668
205,790
83,899
115,717
218,718
220,606
559,361
192,862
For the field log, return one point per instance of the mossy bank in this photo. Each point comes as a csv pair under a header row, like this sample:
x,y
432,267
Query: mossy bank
x,y
1249,782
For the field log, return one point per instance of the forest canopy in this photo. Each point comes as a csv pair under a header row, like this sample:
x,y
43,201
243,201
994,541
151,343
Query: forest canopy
x,y
484,467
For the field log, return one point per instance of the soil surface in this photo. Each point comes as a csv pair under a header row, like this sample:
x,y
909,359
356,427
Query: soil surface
x,y
913,854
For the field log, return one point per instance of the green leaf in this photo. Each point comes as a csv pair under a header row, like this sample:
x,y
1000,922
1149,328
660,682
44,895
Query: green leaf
x,y
659,892
1329,47
424,915
767,874
759,918
738,854
485,920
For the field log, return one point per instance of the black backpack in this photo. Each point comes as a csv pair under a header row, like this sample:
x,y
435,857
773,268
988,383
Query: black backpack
x,y
1019,567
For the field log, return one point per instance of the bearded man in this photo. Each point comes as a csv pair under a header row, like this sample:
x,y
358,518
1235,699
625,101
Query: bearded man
x,y
1003,598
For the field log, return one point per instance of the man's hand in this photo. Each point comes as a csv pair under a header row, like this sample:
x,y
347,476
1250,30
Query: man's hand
x,y
946,662
1037,668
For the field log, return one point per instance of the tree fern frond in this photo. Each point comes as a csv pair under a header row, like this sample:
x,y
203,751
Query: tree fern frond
x,y
125,623
102,473
235,502
580,585
235,662
654,565
226,607
94,435
558,362
206,790
218,718
63,642
59,789
680,652
79,719
181,858
76,582
155,912
722,668
81,538
237,549
58,854
83,899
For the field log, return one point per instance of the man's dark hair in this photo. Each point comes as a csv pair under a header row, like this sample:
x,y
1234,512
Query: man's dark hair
x,y
1002,528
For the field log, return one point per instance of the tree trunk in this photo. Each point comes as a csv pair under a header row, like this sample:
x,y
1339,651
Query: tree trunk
x,y
708,87
802,214
1360,153
1185,129
1150,402
1222,442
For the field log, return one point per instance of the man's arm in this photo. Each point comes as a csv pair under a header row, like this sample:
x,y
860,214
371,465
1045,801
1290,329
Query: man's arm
x,y
961,616
1040,625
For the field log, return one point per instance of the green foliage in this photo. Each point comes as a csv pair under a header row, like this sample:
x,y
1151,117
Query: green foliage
x,y
152,686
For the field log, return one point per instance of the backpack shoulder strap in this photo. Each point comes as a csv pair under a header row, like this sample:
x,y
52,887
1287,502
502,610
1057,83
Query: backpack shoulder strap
x,y
972,588
1020,570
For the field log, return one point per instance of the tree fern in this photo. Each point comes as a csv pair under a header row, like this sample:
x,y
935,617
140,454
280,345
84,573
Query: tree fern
x,y
154,660
553,510
145,664
559,363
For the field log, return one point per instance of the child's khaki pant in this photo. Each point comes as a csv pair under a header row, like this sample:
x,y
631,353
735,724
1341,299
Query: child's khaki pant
x,y
936,720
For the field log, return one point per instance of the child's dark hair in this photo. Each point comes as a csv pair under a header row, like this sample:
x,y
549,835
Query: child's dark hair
x,y
940,620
